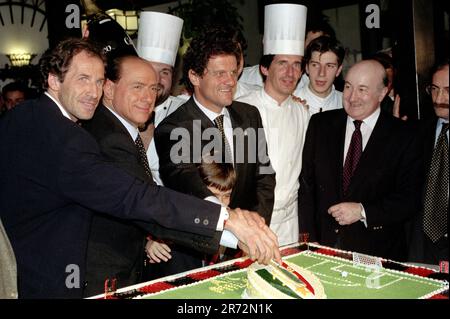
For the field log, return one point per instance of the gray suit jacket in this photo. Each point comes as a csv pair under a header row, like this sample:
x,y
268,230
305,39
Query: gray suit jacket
x,y
8,267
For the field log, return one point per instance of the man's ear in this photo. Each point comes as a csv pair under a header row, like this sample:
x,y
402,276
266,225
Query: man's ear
x,y
264,70
194,78
339,71
108,90
383,93
53,82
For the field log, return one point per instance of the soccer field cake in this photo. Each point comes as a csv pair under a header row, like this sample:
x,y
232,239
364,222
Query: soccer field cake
x,y
335,270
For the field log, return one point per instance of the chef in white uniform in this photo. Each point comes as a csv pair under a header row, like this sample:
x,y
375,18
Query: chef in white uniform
x,y
158,40
323,60
284,118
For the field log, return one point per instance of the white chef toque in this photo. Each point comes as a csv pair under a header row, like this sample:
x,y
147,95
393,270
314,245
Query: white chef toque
x,y
159,37
284,29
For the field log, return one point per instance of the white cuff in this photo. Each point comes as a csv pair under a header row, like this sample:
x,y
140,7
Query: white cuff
x,y
228,239
224,215
363,214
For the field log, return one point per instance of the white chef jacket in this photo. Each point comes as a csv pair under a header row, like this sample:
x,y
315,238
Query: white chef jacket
x,y
285,128
161,112
318,104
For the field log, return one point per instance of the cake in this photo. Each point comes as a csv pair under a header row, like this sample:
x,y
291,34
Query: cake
x,y
328,271
275,282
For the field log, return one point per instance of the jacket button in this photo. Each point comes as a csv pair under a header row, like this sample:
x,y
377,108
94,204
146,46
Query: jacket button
x,y
206,222
197,220
336,231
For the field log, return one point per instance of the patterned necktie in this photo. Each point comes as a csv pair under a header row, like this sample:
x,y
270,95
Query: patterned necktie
x,y
353,154
142,155
219,123
436,195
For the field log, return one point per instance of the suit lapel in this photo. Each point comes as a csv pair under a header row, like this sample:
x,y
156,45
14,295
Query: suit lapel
x,y
336,148
239,168
118,126
196,114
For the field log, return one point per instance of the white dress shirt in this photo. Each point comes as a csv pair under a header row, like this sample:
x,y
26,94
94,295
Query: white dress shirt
x,y
228,239
367,126
227,127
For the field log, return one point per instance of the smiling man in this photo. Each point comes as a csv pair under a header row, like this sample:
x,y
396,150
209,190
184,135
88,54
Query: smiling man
x,y
210,73
284,119
116,246
55,178
361,175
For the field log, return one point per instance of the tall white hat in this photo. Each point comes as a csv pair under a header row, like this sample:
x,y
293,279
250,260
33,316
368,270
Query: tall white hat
x,y
284,29
159,37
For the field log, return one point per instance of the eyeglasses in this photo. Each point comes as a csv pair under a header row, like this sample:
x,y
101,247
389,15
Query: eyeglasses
x,y
434,90
222,74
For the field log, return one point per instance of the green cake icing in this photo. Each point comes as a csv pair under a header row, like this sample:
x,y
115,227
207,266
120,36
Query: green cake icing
x,y
340,278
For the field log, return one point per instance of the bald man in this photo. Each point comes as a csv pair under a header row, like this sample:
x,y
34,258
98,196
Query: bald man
x,y
360,180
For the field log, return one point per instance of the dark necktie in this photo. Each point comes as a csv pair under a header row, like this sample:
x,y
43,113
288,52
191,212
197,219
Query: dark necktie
x,y
436,192
142,155
226,156
353,154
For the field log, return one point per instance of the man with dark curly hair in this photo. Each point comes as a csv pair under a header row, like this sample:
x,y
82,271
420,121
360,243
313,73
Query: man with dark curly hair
x,y
210,118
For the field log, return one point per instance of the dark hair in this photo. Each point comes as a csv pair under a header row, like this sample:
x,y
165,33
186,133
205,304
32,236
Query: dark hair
x,y
439,65
15,86
58,60
219,175
210,42
265,61
385,59
114,61
319,23
324,44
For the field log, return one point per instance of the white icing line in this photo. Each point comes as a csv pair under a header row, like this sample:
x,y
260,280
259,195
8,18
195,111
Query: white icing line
x,y
414,277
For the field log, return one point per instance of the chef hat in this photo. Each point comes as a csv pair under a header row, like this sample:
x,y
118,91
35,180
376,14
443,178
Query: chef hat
x,y
159,37
284,29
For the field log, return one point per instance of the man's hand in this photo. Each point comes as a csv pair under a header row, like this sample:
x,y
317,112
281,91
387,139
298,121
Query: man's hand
x,y
255,237
396,108
157,251
346,213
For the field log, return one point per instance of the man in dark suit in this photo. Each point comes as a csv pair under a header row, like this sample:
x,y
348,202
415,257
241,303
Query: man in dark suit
x,y
360,180
210,72
54,177
429,239
116,246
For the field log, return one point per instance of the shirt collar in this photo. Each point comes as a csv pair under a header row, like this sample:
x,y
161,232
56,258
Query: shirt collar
x,y
441,121
320,99
63,110
210,114
268,97
133,131
370,121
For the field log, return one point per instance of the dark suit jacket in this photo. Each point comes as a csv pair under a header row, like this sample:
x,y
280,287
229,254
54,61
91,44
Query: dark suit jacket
x,y
254,189
387,182
421,248
115,246
53,178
